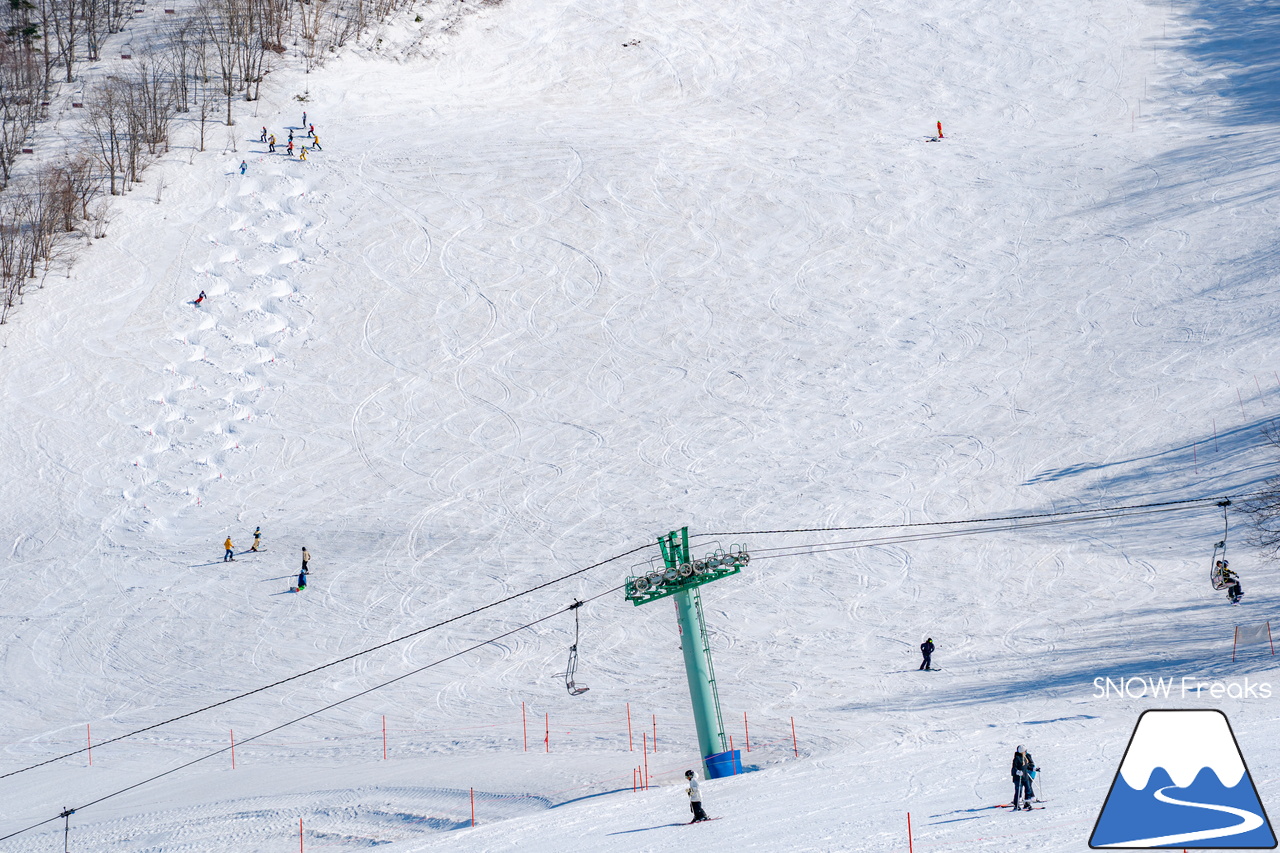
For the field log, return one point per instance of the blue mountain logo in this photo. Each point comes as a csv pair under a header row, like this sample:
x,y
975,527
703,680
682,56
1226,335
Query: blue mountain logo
x,y
1183,783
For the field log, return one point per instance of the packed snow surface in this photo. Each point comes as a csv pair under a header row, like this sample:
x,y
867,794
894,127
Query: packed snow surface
x,y
569,275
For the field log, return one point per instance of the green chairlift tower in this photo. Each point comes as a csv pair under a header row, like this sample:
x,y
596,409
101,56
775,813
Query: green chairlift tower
x,y
681,578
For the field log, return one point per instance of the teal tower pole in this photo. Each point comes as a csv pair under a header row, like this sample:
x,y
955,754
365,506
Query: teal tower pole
x,y
680,577
700,673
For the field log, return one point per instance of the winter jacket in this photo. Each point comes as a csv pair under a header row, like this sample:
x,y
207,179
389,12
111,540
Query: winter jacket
x,y
1022,763
926,648
695,796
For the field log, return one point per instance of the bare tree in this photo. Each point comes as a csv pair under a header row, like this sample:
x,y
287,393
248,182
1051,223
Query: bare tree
x,y
106,119
21,90
1263,508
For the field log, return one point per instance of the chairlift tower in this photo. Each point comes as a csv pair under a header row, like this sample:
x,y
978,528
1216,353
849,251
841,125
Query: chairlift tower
x,y
681,578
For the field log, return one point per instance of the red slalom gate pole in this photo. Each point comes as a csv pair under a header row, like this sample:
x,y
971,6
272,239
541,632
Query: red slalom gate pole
x,y
524,723
631,744
473,808
794,743
300,835
384,737
645,746
233,749
911,846
88,736
747,729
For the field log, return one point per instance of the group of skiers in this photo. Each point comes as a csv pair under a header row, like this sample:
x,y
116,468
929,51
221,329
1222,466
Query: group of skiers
x,y
270,139
229,551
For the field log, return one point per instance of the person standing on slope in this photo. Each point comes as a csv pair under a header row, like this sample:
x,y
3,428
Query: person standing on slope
x,y
926,649
306,558
695,797
257,538
1023,770
230,549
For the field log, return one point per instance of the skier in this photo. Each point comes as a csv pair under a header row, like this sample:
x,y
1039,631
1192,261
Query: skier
x,y
231,554
940,130
695,797
315,143
304,118
302,579
263,138
1234,591
271,144
291,134
200,298
302,155
257,538
306,557
926,649
243,167
290,147
311,131
1023,771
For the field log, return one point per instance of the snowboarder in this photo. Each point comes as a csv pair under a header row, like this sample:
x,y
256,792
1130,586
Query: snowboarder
x,y
263,138
243,167
302,579
306,557
1232,580
302,155
230,549
926,649
695,797
257,538
271,144
200,298
315,143
1023,770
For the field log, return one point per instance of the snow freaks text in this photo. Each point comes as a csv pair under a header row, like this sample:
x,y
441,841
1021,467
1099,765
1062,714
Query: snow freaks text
x,y
1188,686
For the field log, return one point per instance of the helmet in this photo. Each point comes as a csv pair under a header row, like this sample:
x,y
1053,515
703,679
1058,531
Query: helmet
x,y
688,774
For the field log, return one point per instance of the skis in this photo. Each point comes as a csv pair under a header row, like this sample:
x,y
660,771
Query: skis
x,y
704,820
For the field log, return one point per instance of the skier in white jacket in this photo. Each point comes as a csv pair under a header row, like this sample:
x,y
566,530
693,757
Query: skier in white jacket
x,y
695,797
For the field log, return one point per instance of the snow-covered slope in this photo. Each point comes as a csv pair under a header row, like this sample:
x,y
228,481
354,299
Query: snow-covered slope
x,y
576,274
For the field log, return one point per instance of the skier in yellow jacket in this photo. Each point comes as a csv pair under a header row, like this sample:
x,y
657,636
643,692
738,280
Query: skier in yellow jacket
x,y
230,549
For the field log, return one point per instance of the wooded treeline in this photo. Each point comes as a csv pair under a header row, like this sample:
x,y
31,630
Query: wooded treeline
x,y
195,65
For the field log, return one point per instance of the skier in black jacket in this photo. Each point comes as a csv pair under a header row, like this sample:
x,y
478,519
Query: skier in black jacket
x,y
926,649
1023,769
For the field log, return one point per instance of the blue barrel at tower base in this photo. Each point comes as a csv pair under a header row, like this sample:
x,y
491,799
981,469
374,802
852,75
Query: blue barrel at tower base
x,y
724,764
